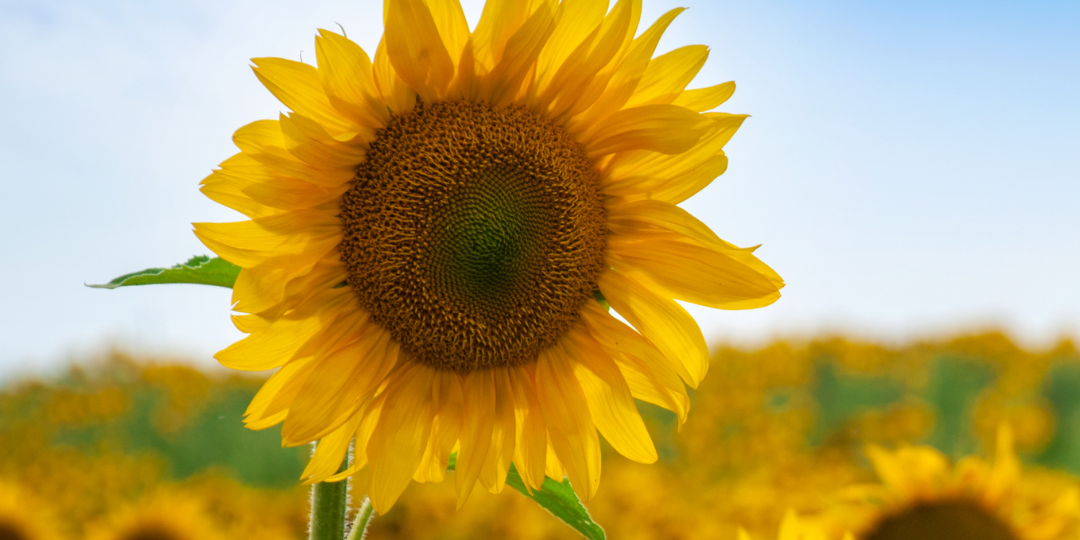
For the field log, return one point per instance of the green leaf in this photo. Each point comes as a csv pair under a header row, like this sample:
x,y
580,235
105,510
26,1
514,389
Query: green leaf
x,y
599,296
557,498
201,270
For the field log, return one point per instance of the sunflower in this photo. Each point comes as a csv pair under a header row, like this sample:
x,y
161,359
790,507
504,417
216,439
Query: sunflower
x,y
434,235
161,516
921,495
23,516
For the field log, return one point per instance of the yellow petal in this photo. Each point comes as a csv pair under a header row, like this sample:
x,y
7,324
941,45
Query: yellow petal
x,y
531,444
397,95
262,287
575,86
639,216
576,20
707,275
592,90
227,189
478,423
330,452
300,237
573,435
243,176
264,142
668,74
451,24
627,76
334,390
705,99
310,143
284,383
254,136
501,452
279,341
399,439
416,50
348,327
666,129
661,320
268,350
265,290
498,21
506,80
347,77
250,324
445,430
611,405
1005,472
552,466
297,86
650,376
908,469
789,527
371,413
673,178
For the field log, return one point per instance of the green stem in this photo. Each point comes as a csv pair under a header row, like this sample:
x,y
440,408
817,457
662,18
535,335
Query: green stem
x,y
328,504
363,516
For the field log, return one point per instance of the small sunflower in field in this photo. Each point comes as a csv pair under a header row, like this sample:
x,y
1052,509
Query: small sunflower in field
x,y
161,516
922,495
792,528
24,516
435,233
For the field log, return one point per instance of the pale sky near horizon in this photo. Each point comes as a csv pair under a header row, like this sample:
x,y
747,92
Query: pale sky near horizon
x,y
911,168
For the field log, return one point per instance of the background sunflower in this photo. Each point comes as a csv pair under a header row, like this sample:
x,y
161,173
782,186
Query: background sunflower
x,y
23,516
161,515
922,495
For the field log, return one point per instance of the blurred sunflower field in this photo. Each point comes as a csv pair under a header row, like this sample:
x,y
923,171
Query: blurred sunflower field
x,y
849,436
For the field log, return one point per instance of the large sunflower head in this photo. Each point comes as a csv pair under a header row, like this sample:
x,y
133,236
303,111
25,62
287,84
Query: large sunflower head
x,y
434,234
922,495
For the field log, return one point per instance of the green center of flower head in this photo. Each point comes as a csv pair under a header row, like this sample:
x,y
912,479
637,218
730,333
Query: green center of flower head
x,y
942,520
473,234
488,235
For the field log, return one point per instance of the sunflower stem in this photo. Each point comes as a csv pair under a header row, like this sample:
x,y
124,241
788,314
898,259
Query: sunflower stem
x,y
363,517
329,501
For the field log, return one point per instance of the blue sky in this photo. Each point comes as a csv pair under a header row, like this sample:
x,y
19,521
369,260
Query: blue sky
x,y
911,168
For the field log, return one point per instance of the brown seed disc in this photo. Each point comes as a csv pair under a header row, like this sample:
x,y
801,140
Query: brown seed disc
x,y
474,235
942,520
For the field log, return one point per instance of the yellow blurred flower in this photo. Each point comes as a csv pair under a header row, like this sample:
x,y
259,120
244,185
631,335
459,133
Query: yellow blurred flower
x,y
1031,415
430,231
24,516
792,528
922,495
163,515
185,389
248,512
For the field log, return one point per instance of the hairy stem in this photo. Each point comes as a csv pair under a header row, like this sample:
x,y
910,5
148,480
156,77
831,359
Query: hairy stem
x,y
328,505
363,517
